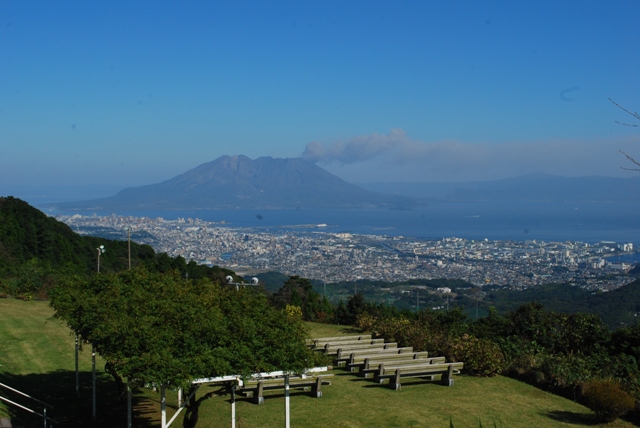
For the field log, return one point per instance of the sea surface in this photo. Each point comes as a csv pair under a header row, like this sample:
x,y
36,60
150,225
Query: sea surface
x,y
519,221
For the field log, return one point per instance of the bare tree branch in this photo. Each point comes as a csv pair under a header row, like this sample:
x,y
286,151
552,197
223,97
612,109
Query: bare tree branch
x,y
637,116
632,160
634,114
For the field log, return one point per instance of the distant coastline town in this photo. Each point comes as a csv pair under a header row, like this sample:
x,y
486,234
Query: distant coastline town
x,y
334,257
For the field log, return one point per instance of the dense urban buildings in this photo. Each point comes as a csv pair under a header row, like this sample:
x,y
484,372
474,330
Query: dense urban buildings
x,y
331,257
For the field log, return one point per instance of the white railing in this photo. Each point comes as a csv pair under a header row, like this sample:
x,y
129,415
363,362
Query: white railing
x,y
44,411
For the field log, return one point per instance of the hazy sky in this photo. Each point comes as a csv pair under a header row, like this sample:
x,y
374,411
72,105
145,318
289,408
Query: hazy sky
x,y
130,93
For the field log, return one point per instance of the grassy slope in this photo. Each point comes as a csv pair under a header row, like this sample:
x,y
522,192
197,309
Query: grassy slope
x,y
37,357
36,353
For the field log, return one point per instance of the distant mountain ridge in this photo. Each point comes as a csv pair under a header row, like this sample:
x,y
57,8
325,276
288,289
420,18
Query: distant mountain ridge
x,y
237,182
530,187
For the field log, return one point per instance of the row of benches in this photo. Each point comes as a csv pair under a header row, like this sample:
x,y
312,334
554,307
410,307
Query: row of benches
x,y
385,361
370,358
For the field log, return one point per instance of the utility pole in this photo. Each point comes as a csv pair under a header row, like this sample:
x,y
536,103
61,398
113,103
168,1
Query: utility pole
x,y
101,251
77,375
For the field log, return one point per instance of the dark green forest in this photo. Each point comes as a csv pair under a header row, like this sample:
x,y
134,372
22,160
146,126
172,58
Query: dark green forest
x,y
616,308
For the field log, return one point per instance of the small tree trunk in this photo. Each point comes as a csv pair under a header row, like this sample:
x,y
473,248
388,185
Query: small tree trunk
x,y
191,412
122,387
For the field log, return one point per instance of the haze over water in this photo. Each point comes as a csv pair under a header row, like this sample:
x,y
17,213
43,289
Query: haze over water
x,y
519,221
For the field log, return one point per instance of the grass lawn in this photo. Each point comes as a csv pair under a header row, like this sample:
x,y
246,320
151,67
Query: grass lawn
x,y
36,356
329,330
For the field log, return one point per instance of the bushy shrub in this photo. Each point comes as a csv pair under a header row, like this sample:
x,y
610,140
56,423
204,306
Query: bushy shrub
x,y
607,399
523,364
481,357
365,322
625,368
567,371
293,312
391,328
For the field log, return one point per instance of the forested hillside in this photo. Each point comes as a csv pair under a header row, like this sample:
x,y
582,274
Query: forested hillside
x,y
616,308
37,250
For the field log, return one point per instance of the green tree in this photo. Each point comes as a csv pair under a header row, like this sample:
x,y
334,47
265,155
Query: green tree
x,y
163,329
298,291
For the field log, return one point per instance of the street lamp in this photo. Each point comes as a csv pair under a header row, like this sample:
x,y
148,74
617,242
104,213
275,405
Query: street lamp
x,y
129,244
230,281
254,281
101,250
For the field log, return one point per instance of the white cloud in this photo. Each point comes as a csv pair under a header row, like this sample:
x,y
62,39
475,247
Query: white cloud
x,y
396,157
357,149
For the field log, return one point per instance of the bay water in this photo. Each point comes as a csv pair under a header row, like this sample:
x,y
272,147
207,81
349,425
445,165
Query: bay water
x,y
519,221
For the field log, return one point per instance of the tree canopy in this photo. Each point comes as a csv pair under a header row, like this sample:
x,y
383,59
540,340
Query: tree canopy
x,y
161,328
299,292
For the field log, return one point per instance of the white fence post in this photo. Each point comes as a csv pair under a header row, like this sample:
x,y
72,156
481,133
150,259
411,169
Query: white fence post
x,y
163,406
233,406
287,408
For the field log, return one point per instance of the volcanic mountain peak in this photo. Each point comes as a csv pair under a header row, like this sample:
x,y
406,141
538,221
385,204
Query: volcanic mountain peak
x,y
231,182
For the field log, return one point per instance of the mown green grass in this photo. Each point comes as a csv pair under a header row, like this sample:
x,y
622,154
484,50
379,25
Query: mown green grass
x,y
329,330
33,341
37,357
353,402
36,353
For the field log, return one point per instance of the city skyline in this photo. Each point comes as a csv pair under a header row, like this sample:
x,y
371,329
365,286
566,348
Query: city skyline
x,y
126,95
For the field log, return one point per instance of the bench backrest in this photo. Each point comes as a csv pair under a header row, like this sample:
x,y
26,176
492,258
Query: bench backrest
x,y
292,380
419,368
338,339
320,344
402,359
379,356
378,351
347,349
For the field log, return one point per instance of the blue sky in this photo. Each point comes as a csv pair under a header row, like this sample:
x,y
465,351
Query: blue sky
x,y
130,93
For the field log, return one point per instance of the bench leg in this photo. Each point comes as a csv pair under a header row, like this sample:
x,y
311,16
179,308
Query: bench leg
x,y
396,382
380,373
260,394
317,389
447,378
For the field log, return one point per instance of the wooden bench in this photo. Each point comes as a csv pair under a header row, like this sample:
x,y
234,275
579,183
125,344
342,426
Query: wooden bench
x,y
371,366
322,340
396,373
256,388
374,368
320,343
335,345
349,356
341,349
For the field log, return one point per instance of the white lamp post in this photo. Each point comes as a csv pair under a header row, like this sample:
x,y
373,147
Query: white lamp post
x,y
101,250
